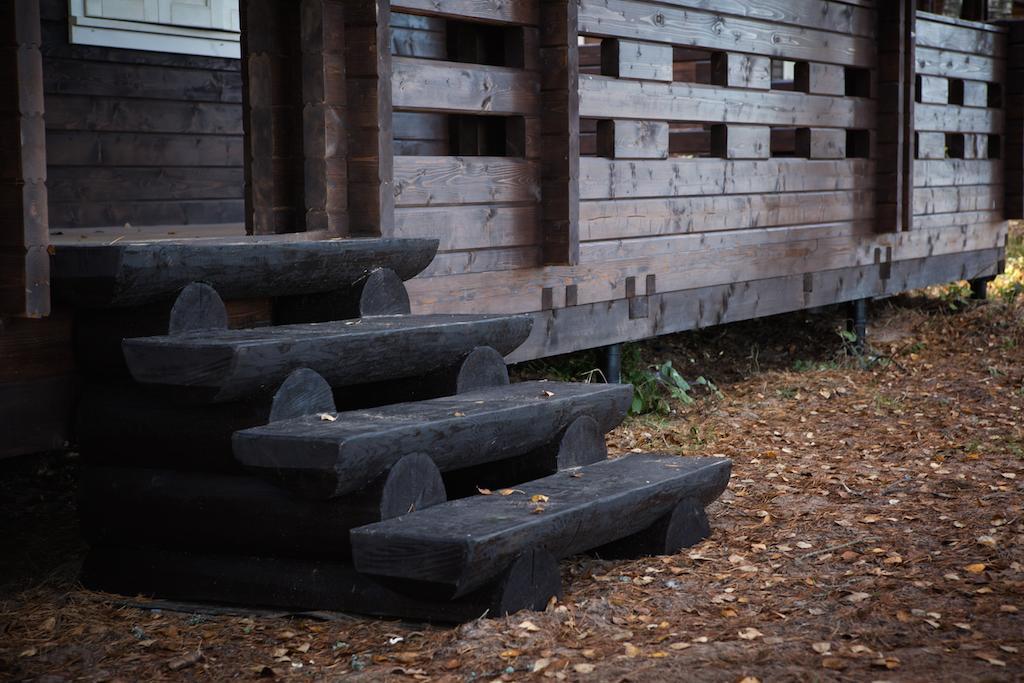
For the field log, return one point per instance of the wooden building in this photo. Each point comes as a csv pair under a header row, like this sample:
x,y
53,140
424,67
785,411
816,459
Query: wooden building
x,y
618,168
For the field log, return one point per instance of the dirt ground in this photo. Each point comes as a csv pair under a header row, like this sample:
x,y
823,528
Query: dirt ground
x,y
873,530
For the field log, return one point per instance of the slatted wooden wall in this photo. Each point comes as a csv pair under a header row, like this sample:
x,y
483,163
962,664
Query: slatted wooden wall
x,y
960,125
732,162
454,181
144,138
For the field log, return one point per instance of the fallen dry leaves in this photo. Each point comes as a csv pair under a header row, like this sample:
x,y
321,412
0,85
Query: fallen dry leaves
x,y
873,530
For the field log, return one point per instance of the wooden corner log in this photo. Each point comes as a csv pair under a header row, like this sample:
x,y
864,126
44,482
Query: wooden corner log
x,y
222,366
465,543
298,584
242,514
1014,103
581,443
124,424
686,525
382,292
136,273
317,458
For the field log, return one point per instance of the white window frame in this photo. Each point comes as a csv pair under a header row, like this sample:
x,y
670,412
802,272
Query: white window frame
x,y
149,36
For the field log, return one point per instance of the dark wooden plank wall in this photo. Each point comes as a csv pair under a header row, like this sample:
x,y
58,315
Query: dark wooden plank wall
x,y
140,138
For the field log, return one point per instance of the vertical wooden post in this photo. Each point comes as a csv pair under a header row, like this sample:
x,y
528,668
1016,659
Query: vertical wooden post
x,y
324,135
560,131
897,67
1013,100
269,37
371,196
24,225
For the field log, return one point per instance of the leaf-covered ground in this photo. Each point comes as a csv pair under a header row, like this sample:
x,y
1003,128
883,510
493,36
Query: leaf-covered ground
x,y
873,530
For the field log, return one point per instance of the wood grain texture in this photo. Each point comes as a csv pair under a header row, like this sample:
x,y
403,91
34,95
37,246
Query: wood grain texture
x,y
602,97
323,459
713,30
463,544
229,365
24,221
133,273
560,132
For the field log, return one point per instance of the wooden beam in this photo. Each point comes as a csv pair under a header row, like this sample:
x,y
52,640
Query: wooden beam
x,y
24,224
370,141
324,129
560,133
896,59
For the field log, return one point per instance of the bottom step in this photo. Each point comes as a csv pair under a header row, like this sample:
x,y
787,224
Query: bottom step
x,y
463,544
302,585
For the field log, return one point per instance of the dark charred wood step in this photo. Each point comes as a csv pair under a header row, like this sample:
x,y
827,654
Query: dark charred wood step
x,y
127,424
224,365
686,525
324,458
465,543
482,368
242,514
582,443
134,273
382,292
297,584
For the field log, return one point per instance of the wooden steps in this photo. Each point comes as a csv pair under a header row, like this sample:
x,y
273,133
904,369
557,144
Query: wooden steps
x,y
463,544
326,458
135,273
224,365
224,470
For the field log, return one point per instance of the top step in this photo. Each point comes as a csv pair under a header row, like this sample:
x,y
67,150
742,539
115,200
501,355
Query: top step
x,y
135,273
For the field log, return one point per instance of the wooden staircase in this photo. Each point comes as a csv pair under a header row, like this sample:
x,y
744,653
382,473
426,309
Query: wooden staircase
x,y
219,466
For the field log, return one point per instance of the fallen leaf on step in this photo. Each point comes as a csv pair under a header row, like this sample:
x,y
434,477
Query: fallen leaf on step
x,y
327,417
750,634
539,498
484,492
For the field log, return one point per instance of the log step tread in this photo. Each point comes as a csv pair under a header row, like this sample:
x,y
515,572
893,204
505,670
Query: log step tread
x,y
224,365
465,542
135,273
329,457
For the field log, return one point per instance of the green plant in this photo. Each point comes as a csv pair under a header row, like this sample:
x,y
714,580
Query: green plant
x,y
956,295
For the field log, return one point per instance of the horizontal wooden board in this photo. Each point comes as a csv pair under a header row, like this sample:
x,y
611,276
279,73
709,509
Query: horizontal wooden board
x,y
83,112
80,77
139,183
610,179
471,227
953,119
490,11
664,216
430,85
425,181
939,62
712,30
83,148
956,172
595,325
602,97
856,18
972,41
159,212
958,199
520,291
485,261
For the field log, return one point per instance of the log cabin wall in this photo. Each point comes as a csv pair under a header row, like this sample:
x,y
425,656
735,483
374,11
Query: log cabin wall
x,y
732,163
139,138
